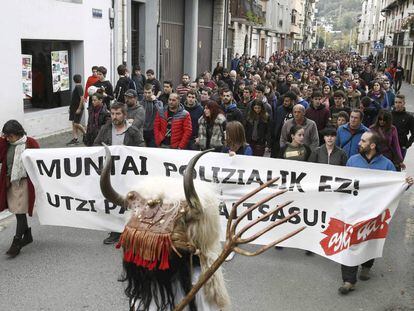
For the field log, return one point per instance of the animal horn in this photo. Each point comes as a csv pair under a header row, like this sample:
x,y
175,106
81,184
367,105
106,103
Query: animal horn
x,y
108,192
189,190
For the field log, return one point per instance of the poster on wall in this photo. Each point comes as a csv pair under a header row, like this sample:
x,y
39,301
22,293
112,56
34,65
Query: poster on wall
x,y
60,71
27,76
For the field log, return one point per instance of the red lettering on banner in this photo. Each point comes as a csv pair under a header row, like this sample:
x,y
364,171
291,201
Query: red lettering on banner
x,y
341,236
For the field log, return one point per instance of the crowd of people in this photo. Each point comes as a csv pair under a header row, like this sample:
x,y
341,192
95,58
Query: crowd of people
x,y
318,106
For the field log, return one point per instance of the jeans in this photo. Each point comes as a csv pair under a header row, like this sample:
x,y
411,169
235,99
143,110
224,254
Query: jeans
x,y
349,274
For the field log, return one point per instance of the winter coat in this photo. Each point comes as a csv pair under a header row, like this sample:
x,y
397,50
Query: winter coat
x,y
320,115
404,122
370,113
282,115
133,136
233,113
311,138
196,112
379,162
217,134
31,143
151,109
137,113
320,155
263,129
94,126
391,147
348,141
181,129
123,85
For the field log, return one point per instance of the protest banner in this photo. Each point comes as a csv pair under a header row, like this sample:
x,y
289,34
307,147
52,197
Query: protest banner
x,y
346,211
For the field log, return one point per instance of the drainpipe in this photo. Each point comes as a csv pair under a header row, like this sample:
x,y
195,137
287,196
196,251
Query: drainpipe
x,y
124,32
226,26
111,39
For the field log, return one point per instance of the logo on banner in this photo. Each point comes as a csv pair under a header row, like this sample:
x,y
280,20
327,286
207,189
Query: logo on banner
x,y
341,236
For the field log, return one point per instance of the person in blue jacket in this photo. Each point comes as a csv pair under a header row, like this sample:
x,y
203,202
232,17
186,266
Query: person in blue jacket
x,y
349,134
369,157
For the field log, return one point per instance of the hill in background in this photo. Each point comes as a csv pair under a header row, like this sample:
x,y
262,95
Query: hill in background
x,y
341,14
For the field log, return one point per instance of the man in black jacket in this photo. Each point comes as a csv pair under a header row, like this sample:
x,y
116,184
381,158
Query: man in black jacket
x,y
124,83
404,122
283,113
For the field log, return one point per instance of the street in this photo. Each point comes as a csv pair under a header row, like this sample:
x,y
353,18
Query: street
x,y
71,269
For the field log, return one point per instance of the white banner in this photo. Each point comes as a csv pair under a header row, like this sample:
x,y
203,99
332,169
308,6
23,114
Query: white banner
x,y
346,211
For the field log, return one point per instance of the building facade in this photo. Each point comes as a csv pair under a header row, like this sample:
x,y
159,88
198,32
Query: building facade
x,y
386,31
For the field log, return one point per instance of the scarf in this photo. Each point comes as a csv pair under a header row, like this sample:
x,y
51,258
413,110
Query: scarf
x,y
18,171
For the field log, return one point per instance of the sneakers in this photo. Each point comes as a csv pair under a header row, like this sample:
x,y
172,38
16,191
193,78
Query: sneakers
x,y
346,288
230,256
364,275
112,238
74,141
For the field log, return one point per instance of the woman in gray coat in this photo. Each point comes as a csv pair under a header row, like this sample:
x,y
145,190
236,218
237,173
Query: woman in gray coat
x,y
329,153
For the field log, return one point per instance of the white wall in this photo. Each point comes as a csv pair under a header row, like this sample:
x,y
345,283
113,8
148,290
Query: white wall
x,y
48,20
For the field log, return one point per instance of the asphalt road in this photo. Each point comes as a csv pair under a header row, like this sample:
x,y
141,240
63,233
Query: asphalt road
x,y
70,269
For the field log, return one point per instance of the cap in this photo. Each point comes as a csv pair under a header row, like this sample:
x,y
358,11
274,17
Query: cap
x,y
131,93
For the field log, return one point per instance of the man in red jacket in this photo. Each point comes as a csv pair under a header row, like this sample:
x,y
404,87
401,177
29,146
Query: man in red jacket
x,y
172,125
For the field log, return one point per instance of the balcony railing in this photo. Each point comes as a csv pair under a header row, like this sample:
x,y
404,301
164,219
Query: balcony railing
x,y
248,10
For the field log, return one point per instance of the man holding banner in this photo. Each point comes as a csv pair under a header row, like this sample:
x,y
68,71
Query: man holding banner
x,y
370,158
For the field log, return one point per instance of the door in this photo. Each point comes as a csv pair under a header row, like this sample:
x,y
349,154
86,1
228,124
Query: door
x,y
135,33
172,40
205,35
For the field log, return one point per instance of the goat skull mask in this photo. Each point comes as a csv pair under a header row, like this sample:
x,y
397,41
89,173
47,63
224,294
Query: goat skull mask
x,y
155,228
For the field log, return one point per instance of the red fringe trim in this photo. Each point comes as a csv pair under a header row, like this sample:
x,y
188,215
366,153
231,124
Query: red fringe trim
x,y
146,249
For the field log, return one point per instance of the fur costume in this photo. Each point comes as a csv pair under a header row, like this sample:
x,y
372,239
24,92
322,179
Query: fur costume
x,y
171,229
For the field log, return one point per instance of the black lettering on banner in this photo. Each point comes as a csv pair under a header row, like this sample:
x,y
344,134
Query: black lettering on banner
x,y
81,205
306,217
203,174
263,209
143,165
215,170
295,219
254,177
345,183
92,204
54,166
89,163
67,200
249,214
169,167
280,214
270,177
109,206
323,185
67,167
284,175
113,159
129,165
295,181
240,178
49,200
230,172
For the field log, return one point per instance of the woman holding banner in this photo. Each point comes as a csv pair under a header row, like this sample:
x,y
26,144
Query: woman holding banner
x,y
16,190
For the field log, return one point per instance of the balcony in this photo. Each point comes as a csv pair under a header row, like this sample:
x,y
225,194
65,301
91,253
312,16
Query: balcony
x,y
248,10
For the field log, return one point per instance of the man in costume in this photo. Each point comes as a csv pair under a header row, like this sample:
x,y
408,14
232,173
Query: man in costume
x,y
173,236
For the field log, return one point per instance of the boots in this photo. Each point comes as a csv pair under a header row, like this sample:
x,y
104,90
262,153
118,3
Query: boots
x,y
18,243
27,237
15,248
